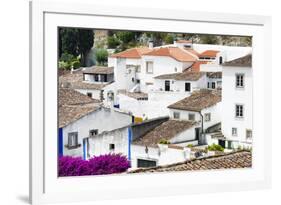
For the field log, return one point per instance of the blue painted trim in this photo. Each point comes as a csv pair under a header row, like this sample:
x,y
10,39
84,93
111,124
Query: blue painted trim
x,y
60,142
129,142
84,149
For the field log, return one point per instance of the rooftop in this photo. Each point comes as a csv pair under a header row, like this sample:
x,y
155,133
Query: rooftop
x,y
187,75
74,105
184,41
240,159
245,61
173,52
166,131
75,81
214,74
132,53
198,100
135,95
98,70
209,54
196,65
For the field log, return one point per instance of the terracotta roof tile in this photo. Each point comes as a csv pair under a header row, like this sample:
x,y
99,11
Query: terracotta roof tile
x,y
209,53
135,95
187,75
132,53
198,100
98,70
196,65
184,41
240,159
245,61
173,52
166,131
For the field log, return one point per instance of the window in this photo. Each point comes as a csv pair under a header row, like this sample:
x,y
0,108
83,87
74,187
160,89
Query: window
x,y
167,85
96,77
191,116
248,134
240,80
93,132
72,139
111,147
138,80
213,85
149,67
234,131
239,111
220,60
187,87
208,85
90,95
207,117
176,115
133,79
146,163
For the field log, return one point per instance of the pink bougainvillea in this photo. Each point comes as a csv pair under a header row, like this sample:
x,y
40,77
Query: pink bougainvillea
x,y
99,165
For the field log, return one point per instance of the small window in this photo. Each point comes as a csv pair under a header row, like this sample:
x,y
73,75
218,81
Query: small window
x,y
72,139
213,85
239,111
234,131
240,80
149,67
138,80
220,60
133,79
90,95
248,134
187,87
93,132
176,115
111,147
96,78
191,117
208,85
207,117
146,163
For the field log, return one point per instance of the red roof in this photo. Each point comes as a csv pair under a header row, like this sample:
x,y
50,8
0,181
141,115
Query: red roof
x,y
196,66
173,52
209,53
132,53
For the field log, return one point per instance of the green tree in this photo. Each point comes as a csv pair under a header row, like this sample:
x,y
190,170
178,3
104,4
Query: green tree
x,y
101,56
112,42
209,39
77,42
169,39
126,36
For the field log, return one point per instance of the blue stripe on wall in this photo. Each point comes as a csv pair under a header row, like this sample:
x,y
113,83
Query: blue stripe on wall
x,y
129,142
84,149
60,143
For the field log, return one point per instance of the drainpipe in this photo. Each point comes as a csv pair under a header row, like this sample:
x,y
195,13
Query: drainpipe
x,y
202,125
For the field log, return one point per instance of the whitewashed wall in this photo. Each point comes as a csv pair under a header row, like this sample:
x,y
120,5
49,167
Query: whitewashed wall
x,y
232,96
103,120
95,93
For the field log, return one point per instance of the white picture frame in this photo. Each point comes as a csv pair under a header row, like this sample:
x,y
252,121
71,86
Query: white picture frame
x,y
46,187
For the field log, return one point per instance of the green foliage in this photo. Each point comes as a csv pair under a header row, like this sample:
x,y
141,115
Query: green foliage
x,y
215,147
112,42
163,141
125,36
76,42
190,145
169,39
209,39
68,60
101,56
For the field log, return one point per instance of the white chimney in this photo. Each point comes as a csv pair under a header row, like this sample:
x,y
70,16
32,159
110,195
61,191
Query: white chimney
x,y
71,70
150,44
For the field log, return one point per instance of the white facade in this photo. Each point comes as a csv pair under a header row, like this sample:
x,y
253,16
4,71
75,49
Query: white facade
x,y
103,120
232,96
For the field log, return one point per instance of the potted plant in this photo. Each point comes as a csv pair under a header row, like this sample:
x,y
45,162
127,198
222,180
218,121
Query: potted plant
x,y
163,144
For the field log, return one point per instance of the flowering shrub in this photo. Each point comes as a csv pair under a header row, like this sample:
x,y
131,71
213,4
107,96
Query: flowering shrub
x,y
103,164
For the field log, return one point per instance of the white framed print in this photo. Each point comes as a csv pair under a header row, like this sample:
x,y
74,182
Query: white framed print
x,y
138,102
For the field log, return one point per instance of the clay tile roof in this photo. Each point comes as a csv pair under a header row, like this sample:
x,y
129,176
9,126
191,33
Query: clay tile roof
x,y
192,51
132,53
214,74
98,70
184,41
198,100
239,159
72,97
187,75
245,61
74,105
173,52
209,53
75,81
166,131
196,65
135,95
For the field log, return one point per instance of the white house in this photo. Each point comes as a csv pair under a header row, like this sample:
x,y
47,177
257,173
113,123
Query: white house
x,y
80,117
202,106
140,142
237,102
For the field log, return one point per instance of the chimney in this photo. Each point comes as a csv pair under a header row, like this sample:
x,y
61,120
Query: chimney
x,y
150,44
71,70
